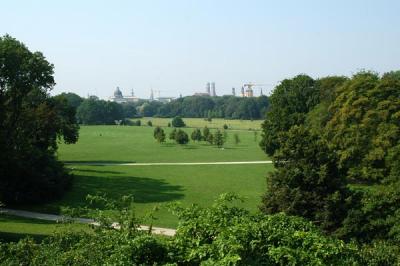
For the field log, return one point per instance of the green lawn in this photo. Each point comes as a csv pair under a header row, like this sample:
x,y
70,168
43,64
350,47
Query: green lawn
x,y
153,185
215,123
136,144
13,228
157,185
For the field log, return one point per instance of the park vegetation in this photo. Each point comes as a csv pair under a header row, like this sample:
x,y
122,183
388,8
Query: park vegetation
x,y
335,144
31,123
333,198
93,111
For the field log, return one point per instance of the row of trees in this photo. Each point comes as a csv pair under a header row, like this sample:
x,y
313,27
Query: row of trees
x,y
217,138
335,143
95,111
228,107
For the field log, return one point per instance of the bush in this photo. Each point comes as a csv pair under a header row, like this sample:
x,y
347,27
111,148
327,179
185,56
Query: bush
x,y
159,134
196,135
138,123
225,126
181,137
178,122
149,123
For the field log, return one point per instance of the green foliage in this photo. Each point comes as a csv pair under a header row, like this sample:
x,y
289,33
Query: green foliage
x,y
98,112
149,123
181,137
159,134
31,123
172,134
218,138
138,123
225,126
291,100
177,122
206,133
227,235
210,138
236,138
196,135
364,128
307,182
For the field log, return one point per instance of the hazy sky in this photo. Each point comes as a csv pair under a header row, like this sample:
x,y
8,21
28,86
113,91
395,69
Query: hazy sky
x,y
177,46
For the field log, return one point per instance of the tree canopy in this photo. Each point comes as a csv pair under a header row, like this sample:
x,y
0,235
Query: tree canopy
x,y
31,122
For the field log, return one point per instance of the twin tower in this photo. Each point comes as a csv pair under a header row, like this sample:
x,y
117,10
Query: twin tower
x,y
210,89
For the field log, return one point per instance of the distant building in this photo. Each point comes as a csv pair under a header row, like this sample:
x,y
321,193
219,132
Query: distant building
x,y
233,91
164,99
119,98
213,93
208,88
201,94
242,92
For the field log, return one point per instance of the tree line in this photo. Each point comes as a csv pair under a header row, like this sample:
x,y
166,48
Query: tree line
x,y
92,111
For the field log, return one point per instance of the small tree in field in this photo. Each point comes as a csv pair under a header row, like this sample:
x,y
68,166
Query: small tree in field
x,y
149,123
196,135
178,122
181,137
159,134
236,138
218,139
172,134
225,126
206,133
210,138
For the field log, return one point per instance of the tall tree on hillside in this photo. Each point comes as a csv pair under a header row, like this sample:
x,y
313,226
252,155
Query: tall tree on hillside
x,y
31,122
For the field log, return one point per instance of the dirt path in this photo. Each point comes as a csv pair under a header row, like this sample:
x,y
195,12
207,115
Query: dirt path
x,y
55,218
150,164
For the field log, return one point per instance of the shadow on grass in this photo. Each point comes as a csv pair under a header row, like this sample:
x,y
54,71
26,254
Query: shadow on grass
x,y
95,162
143,189
15,237
97,171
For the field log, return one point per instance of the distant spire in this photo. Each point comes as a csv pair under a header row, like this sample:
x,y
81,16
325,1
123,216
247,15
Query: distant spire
x,y
132,94
152,95
261,92
233,91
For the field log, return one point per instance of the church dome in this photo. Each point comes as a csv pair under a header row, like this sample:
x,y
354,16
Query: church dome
x,y
118,93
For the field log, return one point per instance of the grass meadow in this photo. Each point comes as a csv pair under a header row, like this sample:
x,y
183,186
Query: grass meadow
x,y
214,123
151,186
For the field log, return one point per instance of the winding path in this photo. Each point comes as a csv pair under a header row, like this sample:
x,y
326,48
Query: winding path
x,y
55,218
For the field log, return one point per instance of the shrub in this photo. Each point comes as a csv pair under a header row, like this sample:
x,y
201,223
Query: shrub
x,y
181,137
178,122
149,123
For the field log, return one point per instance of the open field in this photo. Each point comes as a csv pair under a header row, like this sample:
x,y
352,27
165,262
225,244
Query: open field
x,y
157,185
200,122
152,185
136,144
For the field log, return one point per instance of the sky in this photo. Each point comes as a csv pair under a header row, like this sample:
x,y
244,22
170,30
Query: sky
x,y
176,47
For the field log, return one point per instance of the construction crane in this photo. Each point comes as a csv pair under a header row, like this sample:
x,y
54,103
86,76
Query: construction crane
x,y
247,90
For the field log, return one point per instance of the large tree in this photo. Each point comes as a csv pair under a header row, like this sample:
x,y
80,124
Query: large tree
x,y
364,129
31,122
291,100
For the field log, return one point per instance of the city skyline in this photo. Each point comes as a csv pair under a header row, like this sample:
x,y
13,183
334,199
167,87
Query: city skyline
x,y
177,46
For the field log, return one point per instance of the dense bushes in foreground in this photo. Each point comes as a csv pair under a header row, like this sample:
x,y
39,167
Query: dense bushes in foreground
x,y
222,234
